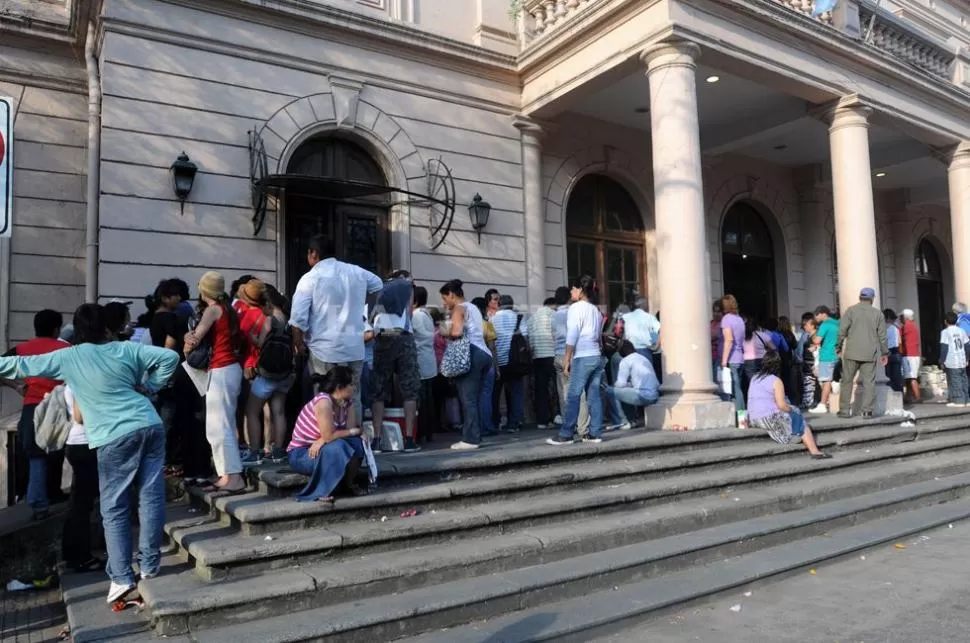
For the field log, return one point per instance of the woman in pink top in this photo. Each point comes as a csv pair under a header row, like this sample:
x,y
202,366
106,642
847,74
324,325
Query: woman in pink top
x,y
326,444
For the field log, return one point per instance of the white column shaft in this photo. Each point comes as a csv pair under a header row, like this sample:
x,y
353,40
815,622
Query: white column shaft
x,y
535,245
959,178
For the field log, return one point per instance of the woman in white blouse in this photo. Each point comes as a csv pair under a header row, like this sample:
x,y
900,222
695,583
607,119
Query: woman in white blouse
x,y
583,362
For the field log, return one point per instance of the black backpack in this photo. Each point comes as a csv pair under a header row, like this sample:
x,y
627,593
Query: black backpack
x,y
520,354
276,355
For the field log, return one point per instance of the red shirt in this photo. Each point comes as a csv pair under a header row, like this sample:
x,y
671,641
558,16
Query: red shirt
x,y
38,387
909,342
222,349
250,318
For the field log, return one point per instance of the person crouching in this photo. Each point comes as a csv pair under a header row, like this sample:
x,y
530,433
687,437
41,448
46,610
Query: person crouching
x,y
326,442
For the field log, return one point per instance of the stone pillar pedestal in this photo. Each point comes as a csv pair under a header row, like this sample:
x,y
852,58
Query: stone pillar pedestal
x,y
688,393
855,223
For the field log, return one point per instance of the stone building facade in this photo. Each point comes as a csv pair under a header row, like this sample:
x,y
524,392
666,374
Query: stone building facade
x,y
675,148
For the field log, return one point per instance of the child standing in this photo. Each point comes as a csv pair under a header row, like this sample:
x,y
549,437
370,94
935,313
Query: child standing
x,y
954,345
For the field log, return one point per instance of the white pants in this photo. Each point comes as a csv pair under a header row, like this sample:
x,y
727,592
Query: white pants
x,y
220,418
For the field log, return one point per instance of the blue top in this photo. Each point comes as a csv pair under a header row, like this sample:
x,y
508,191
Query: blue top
x,y
103,378
559,329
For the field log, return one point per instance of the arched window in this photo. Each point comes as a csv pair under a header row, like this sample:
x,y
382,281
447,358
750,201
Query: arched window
x,y
605,238
359,229
747,255
928,265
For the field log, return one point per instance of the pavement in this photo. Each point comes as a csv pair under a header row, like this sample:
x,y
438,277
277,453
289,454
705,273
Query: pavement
x,y
885,595
31,616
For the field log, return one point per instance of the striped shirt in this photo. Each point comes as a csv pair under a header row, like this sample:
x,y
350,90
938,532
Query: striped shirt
x,y
505,322
559,329
541,338
307,431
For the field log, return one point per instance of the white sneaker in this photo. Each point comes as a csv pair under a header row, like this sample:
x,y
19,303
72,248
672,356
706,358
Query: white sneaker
x,y
557,420
626,426
463,446
148,576
954,405
117,592
821,408
591,440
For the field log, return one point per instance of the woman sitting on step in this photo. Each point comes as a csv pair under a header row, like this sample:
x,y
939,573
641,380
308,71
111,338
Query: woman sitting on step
x,y
768,408
323,447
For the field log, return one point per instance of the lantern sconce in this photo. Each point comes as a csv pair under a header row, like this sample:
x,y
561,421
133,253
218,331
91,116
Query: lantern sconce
x,y
183,177
479,211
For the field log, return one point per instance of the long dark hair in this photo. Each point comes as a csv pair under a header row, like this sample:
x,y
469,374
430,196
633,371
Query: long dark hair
x,y
750,326
587,284
89,325
770,365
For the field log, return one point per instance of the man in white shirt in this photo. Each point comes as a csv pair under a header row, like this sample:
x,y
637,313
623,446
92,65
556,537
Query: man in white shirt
x,y
636,385
328,312
954,346
642,329
424,332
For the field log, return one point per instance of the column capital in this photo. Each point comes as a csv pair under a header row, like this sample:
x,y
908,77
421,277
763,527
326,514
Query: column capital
x,y
530,130
848,111
670,53
955,157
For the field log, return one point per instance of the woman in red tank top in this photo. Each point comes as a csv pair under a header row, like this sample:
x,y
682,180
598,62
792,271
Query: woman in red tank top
x,y
219,322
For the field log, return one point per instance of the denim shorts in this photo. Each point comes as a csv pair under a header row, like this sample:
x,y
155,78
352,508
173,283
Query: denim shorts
x,y
826,371
264,388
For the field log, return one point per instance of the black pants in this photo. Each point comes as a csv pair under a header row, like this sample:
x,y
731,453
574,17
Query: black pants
x,y
428,410
894,370
544,369
76,540
27,448
183,416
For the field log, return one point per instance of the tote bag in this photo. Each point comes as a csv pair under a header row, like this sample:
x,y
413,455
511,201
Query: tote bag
x,y
457,360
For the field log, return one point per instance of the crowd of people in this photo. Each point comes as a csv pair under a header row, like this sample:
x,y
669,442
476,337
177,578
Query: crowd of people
x,y
245,376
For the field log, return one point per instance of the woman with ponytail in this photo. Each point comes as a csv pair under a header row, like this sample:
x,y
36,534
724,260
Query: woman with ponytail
x,y
583,362
326,443
219,327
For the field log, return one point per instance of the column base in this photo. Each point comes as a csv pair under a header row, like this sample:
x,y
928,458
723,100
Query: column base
x,y
692,412
888,401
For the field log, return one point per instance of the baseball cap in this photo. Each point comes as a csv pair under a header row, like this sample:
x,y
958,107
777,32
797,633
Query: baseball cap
x,y
867,293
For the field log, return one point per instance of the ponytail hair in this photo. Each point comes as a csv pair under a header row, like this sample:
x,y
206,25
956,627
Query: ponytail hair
x,y
453,287
587,284
335,379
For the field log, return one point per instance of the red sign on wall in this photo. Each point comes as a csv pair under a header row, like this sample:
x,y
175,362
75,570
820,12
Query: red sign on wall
x,y
6,166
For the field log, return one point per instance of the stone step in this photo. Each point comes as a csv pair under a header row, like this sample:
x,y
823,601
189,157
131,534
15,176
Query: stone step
x,y
184,602
257,514
522,596
218,551
529,448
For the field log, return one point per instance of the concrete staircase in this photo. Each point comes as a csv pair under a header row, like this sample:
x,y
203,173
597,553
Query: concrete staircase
x,y
523,541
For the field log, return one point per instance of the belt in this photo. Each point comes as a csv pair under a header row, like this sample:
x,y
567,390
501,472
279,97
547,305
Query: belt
x,y
392,332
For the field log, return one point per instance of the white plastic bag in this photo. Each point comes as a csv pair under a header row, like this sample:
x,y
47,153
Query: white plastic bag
x,y
727,384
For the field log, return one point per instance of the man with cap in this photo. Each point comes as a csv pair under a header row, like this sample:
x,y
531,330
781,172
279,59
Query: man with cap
x,y
909,348
862,336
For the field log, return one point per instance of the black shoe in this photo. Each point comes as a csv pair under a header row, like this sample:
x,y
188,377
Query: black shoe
x,y
375,445
845,416
867,415
559,441
821,456
410,446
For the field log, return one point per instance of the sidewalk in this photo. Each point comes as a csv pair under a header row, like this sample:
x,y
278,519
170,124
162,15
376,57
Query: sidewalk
x,y
31,616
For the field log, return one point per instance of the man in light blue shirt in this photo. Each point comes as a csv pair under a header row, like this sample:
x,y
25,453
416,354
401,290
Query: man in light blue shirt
x,y
328,312
122,424
507,322
636,385
642,329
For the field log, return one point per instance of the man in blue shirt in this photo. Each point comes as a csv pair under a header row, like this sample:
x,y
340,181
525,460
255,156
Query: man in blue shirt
x,y
636,385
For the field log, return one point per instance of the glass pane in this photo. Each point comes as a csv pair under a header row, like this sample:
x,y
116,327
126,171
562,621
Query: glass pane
x,y
630,266
615,293
360,243
580,259
614,264
581,208
335,158
620,212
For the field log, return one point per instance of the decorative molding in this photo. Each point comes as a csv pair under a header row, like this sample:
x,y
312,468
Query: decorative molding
x,y
346,93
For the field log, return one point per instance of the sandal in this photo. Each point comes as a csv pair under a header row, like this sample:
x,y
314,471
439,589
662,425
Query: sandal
x,y
821,456
221,492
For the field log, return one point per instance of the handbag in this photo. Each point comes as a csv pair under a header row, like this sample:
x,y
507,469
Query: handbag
x,y
457,360
200,356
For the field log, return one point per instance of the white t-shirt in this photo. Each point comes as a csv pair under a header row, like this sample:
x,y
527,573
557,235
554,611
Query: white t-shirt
x,y
584,325
77,434
956,339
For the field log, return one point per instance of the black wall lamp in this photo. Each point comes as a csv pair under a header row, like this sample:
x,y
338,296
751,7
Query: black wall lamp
x,y
479,211
183,176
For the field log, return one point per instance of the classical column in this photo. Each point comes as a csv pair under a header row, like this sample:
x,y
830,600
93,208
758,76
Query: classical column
x,y
855,220
534,212
689,398
812,201
959,176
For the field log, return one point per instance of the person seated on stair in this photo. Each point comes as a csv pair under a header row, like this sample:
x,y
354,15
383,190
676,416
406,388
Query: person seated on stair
x,y
326,442
768,408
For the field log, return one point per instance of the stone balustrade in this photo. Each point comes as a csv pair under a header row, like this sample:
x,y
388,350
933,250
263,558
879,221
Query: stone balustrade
x,y
902,42
545,16
806,7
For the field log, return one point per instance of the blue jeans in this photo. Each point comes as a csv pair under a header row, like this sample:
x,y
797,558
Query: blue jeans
x,y
37,460
737,372
616,398
134,461
585,374
469,391
485,403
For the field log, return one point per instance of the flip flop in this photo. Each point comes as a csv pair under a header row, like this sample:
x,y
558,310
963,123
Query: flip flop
x,y
821,456
224,493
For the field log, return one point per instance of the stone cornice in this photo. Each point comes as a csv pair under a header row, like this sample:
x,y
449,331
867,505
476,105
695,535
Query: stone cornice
x,y
366,32
70,31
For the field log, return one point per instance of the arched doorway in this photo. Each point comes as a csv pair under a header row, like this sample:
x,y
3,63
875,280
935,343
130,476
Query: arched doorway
x,y
748,257
358,227
929,289
605,238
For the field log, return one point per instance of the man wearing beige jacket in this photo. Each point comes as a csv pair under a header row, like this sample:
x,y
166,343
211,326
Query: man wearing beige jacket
x,y
862,338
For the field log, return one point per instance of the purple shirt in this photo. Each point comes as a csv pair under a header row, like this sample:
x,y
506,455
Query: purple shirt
x,y
736,350
761,397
